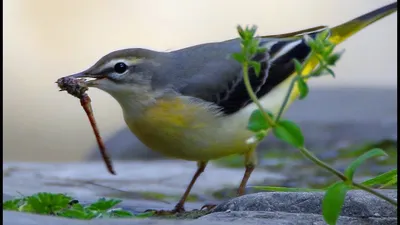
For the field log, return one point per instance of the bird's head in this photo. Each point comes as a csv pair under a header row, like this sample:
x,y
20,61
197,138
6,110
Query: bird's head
x,y
123,72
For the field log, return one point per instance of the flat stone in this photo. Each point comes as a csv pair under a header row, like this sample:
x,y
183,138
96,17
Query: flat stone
x,y
218,218
267,208
284,218
89,180
357,204
16,218
329,118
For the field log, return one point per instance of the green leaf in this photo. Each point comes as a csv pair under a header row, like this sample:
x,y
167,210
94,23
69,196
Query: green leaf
x,y
382,179
285,189
332,59
349,172
253,30
241,32
34,203
48,203
298,66
257,121
328,43
391,182
120,213
328,50
239,57
253,46
102,204
25,207
330,71
318,46
289,132
303,88
246,43
323,35
12,204
256,66
333,202
77,211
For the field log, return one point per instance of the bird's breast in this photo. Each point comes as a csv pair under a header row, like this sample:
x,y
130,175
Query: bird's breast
x,y
185,129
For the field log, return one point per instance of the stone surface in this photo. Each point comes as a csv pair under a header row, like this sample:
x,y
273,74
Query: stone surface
x,y
91,179
282,209
357,204
88,181
283,218
222,218
329,118
15,218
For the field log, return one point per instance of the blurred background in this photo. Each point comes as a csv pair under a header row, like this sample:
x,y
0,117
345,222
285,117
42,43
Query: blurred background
x,y
47,39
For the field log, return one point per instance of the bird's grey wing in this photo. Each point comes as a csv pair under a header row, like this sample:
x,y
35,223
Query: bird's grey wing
x,y
220,80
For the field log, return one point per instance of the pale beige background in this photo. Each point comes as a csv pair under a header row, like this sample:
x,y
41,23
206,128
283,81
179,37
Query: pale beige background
x,y
47,39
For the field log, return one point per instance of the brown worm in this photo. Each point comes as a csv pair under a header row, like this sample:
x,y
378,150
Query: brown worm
x,y
77,87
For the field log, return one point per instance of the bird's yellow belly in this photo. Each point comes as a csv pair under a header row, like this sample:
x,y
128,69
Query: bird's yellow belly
x,y
187,131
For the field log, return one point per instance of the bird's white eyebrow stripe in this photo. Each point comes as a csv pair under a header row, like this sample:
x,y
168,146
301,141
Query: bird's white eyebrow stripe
x,y
111,63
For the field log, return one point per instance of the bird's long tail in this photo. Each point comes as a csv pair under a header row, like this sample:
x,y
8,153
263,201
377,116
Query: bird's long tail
x,y
345,30
337,35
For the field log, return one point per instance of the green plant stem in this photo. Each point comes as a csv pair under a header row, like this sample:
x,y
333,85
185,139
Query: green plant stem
x,y
283,106
372,191
320,163
253,95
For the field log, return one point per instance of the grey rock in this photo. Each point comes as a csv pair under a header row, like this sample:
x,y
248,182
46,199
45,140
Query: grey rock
x,y
329,118
90,180
284,218
16,218
217,218
357,203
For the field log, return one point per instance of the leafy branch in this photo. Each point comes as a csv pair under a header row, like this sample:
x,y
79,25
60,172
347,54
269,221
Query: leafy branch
x,y
261,121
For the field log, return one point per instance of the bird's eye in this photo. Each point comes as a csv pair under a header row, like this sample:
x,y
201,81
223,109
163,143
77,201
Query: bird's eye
x,y
120,67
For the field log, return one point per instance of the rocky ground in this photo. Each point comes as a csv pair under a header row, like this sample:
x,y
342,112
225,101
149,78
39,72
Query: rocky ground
x,y
260,209
158,185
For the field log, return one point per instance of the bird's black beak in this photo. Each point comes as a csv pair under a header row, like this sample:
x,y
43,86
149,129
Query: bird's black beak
x,y
87,77
83,75
79,75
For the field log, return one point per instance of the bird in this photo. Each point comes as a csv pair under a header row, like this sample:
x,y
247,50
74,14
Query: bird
x,y
192,104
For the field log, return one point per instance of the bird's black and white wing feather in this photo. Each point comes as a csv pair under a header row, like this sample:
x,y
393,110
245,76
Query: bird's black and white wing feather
x,y
219,80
